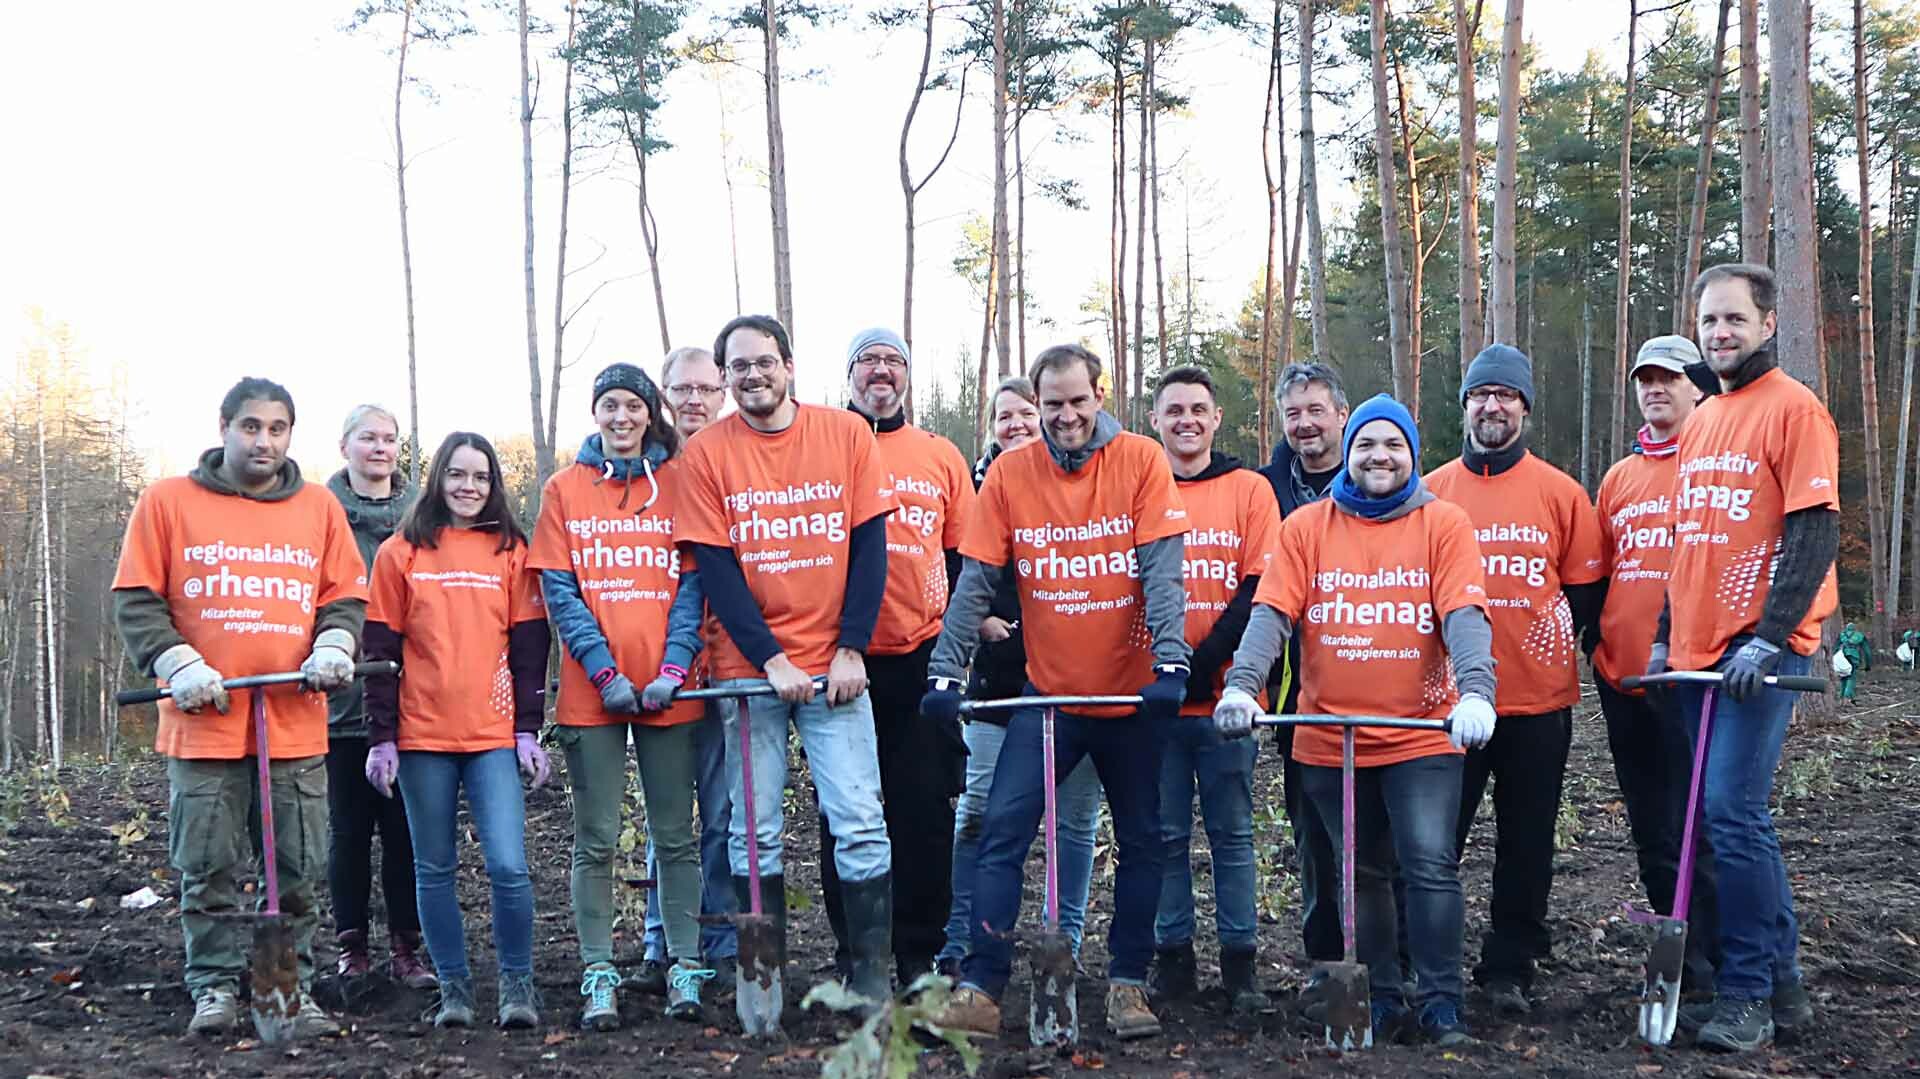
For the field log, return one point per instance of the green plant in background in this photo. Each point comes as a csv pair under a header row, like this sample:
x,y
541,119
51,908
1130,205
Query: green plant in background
x,y
1810,776
1276,886
885,1046
1566,826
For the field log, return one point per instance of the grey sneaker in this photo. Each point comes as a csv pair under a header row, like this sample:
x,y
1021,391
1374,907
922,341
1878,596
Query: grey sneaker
x,y
1508,999
313,1022
598,985
456,1004
214,1012
1738,1026
683,991
1792,1010
519,1002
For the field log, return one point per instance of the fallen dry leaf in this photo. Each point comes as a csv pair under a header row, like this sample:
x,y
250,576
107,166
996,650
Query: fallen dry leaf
x,y
1532,1051
723,1057
555,1038
1649,1069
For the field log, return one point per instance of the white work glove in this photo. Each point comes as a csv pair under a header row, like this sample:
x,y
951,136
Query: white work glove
x,y
192,683
1233,716
1470,724
330,665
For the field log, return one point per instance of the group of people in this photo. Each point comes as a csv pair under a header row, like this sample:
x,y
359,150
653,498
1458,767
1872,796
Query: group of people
x,y
858,582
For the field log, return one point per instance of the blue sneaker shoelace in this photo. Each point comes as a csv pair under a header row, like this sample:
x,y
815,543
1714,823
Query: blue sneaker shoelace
x,y
597,985
684,982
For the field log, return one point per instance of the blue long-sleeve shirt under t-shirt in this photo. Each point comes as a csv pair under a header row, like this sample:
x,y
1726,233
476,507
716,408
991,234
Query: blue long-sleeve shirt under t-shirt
x,y
739,614
581,634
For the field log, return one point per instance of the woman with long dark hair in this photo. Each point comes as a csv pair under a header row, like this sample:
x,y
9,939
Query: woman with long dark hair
x,y
453,600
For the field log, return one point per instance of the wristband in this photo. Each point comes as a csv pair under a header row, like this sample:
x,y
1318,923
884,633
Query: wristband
x,y
675,672
603,676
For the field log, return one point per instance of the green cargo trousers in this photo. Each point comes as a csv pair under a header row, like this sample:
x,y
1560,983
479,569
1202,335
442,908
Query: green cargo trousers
x,y
213,829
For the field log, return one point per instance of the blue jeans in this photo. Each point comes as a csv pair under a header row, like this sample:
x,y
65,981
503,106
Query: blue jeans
x,y
1195,756
1079,816
431,783
716,812
842,751
1126,755
1759,936
1404,811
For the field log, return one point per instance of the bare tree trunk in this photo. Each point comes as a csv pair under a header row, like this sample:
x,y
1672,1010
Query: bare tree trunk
x,y
907,188
1502,304
1152,159
1273,224
1623,282
542,452
1310,193
1416,245
1702,173
1140,233
1586,390
1795,239
560,238
406,247
777,175
1404,386
49,606
649,228
1900,455
1019,202
1869,379
1002,268
1755,198
1471,317
1122,405
726,177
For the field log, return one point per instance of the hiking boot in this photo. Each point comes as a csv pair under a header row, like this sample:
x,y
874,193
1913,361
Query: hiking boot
x,y
1440,1025
1128,1016
1389,1018
408,968
1737,1026
726,969
456,1004
1509,1001
214,1012
1792,1010
519,1002
969,1011
353,962
1174,977
683,991
1238,977
869,913
598,984
652,978
311,1021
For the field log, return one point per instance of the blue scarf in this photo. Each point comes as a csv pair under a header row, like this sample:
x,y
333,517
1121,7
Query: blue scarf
x,y
1345,492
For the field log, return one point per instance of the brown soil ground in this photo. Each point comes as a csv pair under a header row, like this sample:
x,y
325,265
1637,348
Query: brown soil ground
x,y
89,989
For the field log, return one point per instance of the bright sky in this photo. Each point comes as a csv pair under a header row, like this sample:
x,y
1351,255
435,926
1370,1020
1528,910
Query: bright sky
x,y
210,194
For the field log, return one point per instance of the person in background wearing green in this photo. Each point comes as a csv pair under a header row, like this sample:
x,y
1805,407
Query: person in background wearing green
x,y
1859,653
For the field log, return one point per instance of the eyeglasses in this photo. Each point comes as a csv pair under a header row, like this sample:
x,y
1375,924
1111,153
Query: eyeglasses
x,y
688,389
871,361
763,364
1503,394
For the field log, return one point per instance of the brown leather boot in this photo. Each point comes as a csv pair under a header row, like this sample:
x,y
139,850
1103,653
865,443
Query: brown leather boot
x,y
971,1011
408,968
1128,1016
353,954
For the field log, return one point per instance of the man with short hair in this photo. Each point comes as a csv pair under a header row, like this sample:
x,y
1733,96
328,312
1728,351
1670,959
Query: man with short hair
x,y
1652,756
1756,525
784,513
1232,525
1091,523
922,761
241,568
1545,575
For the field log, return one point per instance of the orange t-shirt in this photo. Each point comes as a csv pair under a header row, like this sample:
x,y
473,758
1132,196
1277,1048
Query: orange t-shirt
x,y
935,489
453,606
243,580
1537,531
786,503
629,572
1747,459
1233,522
1367,599
1636,522
1070,537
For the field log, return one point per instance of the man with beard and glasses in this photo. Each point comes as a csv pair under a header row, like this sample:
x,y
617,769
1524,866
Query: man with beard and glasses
x,y
784,513
1091,523
1546,577
1756,525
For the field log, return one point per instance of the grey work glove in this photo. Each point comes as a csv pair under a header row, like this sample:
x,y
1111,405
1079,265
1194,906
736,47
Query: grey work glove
x,y
1745,674
191,681
617,696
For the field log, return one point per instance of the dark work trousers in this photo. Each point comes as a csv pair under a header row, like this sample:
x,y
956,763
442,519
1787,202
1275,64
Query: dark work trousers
x,y
1316,862
923,767
1653,760
357,811
1527,762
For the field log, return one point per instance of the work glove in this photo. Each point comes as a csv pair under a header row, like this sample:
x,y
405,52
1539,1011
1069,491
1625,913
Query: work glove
x,y
383,767
1744,675
942,700
1233,716
533,759
616,693
1470,724
1657,661
659,692
330,665
1162,697
191,682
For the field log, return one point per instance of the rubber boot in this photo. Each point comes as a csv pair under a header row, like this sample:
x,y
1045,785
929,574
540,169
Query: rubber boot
x,y
1237,977
1174,977
869,906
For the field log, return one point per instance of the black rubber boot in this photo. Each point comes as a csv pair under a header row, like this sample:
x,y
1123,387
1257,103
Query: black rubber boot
x,y
869,907
1173,973
1237,977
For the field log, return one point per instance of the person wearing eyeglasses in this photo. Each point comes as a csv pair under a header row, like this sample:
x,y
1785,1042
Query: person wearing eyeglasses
x,y
696,389
785,515
1546,571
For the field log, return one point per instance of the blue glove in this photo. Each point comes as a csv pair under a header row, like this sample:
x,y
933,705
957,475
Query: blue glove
x,y
1743,674
1162,697
942,700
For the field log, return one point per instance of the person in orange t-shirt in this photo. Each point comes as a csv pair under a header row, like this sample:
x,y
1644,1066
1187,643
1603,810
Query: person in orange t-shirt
x,y
1546,577
454,601
1384,585
1089,520
922,762
242,568
1233,519
1756,528
1647,735
784,511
